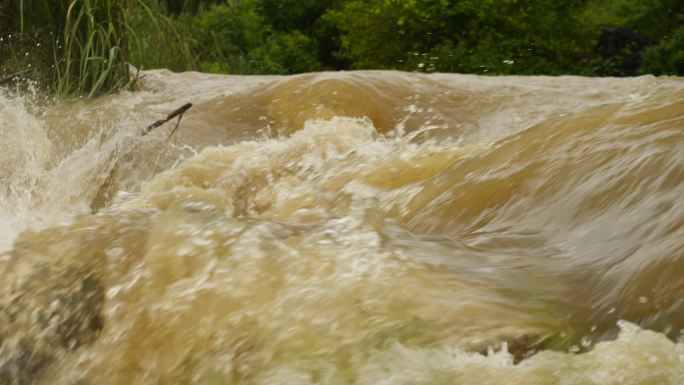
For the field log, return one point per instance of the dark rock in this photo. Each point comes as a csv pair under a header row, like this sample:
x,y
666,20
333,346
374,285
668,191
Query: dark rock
x,y
55,309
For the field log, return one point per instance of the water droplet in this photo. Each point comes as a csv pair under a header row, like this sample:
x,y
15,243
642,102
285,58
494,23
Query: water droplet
x,y
114,252
585,342
113,291
184,250
643,299
201,242
54,305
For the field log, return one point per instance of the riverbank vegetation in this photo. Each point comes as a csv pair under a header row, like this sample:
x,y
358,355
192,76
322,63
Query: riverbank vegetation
x,y
83,47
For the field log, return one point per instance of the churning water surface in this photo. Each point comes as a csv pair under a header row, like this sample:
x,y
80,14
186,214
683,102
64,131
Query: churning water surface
x,y
346,228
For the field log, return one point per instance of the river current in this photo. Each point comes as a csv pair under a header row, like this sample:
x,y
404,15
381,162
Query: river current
x,y
368,227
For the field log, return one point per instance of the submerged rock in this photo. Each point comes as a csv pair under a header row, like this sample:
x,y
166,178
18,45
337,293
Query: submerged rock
x,y
50,306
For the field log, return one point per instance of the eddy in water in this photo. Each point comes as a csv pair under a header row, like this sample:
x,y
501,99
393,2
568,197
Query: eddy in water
x,y
346,228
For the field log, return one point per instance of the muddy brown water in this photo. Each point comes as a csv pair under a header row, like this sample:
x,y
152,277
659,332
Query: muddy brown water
x,y
346,228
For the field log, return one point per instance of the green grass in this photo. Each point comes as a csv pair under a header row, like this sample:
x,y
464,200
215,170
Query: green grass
x,y
83,47
154,40
91,58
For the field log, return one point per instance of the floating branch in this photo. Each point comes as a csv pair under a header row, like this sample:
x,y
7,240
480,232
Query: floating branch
x,y
179,113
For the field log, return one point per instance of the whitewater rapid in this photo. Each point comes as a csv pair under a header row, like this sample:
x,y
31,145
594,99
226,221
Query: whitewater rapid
x,y
367,227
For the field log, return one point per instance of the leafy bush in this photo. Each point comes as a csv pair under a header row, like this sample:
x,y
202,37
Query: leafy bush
x,y
154,40
286,53
237,39
666,58
505,36
220,36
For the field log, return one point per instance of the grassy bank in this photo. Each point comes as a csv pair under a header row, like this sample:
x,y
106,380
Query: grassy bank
x,y
82,47
73,47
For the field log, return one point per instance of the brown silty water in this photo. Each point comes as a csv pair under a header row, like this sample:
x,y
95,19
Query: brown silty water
x,y
346,228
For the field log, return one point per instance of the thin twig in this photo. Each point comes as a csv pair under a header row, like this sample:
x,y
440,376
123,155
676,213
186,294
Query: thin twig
x,y
179,112
176,127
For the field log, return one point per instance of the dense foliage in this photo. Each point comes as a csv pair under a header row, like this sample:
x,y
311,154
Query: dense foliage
x,y
86,43
584,37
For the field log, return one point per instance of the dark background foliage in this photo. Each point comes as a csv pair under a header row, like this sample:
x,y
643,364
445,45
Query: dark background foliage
x,y
551,37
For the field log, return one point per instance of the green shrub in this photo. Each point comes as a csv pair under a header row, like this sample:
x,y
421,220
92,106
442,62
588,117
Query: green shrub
x,y
286,53
488,36
220,36
237,39
155,41
653,18
666,58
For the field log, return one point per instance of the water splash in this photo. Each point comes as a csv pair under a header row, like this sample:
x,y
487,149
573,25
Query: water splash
x,y
357,228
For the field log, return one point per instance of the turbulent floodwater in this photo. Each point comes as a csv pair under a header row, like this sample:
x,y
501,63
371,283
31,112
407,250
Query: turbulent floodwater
x,y
346,228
